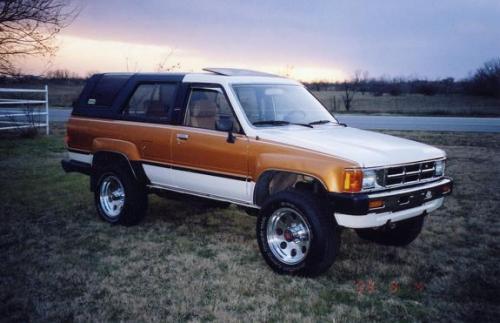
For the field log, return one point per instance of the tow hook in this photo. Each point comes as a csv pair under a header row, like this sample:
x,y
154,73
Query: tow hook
x,y
389,225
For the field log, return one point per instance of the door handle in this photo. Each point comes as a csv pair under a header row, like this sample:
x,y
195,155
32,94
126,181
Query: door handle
x,y
182,136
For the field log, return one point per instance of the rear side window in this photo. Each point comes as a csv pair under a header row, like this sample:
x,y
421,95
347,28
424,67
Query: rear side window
x,y
142,99
152,101
106,89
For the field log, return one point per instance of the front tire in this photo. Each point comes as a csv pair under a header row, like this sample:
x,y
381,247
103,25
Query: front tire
x,y
297,235
119,198
402,234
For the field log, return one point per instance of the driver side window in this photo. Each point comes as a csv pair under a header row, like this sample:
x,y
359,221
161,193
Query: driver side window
x,y
206,106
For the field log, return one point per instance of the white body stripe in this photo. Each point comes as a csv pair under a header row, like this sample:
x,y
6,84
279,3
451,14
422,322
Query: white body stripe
x,y
238,191
84,158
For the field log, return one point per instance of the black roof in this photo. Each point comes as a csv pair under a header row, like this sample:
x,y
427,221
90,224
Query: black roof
x,y
174,75
144,75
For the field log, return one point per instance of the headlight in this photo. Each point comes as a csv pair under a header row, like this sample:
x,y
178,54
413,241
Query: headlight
x,y
372,179
439,168
356,180
369,179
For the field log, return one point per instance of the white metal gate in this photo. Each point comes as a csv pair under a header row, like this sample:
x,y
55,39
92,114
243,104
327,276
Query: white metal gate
x,y
17,113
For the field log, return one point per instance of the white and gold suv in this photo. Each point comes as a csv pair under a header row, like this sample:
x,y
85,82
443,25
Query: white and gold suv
x,y
259,141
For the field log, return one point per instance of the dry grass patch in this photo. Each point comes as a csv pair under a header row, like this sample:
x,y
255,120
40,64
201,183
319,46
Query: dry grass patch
x,y
188,263
413,104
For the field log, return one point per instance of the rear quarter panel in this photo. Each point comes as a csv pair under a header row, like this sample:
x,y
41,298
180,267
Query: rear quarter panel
x,y
136,140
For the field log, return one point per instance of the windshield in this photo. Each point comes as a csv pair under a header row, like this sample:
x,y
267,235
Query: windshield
x,y
277,105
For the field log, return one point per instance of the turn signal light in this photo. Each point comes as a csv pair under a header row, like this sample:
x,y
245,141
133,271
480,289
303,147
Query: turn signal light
x,y
446,189
375,204
353,180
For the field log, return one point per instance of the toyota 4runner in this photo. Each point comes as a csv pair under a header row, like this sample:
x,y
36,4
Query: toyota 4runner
x,y
259,141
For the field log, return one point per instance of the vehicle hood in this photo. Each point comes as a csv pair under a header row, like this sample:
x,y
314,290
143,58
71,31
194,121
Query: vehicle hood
x,y
366,148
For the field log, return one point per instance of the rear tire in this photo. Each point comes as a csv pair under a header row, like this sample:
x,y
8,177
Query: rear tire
x,y
404,232
297,234
119,198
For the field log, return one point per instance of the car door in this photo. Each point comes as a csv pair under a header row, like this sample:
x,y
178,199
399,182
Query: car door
x,y
206,160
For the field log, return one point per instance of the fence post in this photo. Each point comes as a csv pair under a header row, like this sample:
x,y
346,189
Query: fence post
x,y
47,107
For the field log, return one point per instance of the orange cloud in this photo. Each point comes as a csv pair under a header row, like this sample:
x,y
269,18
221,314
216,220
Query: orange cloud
x,y
82,55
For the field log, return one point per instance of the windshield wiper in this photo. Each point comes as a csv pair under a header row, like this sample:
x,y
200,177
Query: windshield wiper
x,y
281,123
272,122
319,122
326,121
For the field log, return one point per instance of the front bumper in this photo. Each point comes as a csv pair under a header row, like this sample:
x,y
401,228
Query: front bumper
x,y
353,211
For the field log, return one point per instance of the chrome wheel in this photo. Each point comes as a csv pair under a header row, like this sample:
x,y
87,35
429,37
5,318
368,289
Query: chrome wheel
x,y
288,236
112,196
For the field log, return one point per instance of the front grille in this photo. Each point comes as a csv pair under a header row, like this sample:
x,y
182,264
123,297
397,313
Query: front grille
x,y
408,174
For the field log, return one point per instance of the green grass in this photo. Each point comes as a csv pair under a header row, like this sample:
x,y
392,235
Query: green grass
x,y
59,262
413,104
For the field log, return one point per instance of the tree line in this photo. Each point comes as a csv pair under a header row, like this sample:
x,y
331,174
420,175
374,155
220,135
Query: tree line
x,y
485,81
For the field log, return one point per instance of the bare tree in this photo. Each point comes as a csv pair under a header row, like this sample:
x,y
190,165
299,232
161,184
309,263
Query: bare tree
x,y
486,80
132,67
348,95
363,82
350,88
28,28
287,71
165,64
61,75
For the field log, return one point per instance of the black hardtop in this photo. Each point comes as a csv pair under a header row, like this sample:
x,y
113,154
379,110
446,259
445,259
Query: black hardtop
x,y
165,75
103,91
153,77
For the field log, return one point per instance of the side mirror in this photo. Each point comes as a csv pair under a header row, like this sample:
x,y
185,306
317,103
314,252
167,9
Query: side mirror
x,y
225,123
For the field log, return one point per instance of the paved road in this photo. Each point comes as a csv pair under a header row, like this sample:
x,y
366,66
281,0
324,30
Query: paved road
x,y
59,114
386,122
421,123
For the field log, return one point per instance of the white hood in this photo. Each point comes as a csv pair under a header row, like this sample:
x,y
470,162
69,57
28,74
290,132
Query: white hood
x,y
367,148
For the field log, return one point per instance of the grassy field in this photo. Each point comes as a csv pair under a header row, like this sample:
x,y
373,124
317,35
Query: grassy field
x,y
59,262
413,104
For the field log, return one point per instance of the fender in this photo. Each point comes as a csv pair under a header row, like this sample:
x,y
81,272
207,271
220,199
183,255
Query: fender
x,y
268,156
126,148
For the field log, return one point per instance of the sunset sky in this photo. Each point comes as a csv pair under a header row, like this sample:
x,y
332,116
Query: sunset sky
x,y
312,40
